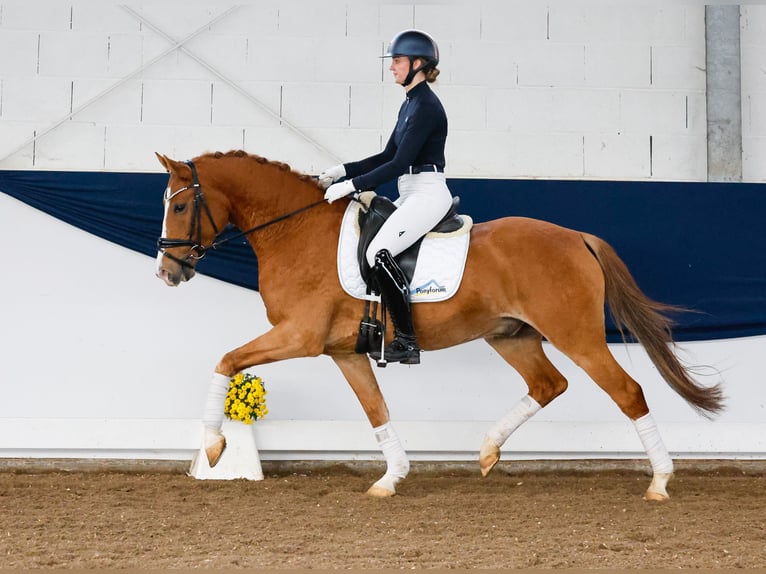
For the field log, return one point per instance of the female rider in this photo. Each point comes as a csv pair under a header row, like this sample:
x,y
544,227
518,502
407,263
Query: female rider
x,y
415,155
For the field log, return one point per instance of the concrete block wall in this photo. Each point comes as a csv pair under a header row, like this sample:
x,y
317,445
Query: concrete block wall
x,y
560,90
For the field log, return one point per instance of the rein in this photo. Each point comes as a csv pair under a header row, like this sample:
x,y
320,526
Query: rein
x,y
164,243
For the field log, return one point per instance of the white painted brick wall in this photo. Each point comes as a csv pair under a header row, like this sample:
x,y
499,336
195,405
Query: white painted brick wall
x,y
671,112
624,65
253,19
616,156
467,106
125,54
131,148
102,17
679,67
458,21
74,145
552,64
73,55
39,16
18,53
227,53
316,105
554,90
281,59
365,107
679,157
231,108
166,102
173,66
121,105
753,50
462,64
505,22
14,135
186,140
36,100
753,164
343,59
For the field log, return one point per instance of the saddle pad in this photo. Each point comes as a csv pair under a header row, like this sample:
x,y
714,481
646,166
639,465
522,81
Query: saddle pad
x,y
438,271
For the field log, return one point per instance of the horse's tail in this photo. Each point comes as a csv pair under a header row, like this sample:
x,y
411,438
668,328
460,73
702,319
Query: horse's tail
x,y
647,321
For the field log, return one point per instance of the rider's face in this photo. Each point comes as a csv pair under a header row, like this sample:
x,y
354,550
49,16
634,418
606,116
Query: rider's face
x,y
400,66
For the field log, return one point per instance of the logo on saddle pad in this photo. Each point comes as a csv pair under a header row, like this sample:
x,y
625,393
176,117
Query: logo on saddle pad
x,y
439,268
430,288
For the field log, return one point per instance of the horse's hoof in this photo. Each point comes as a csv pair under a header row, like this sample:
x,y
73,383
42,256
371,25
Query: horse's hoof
x,y
657,490
656,496
489,456
379,491
215,444
385,486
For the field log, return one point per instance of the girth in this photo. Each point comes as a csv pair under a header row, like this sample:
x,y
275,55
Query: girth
x,y
373,217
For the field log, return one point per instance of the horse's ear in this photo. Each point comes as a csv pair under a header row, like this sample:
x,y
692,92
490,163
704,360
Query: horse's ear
x,y
170,165
164,160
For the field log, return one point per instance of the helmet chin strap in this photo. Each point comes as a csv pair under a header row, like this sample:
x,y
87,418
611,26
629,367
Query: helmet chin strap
x,y
413,72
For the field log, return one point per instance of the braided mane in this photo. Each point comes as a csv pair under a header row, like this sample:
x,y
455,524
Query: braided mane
x,y
238,153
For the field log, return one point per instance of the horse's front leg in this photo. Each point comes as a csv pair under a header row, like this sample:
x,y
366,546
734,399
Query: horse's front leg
x,y
284,341
358,372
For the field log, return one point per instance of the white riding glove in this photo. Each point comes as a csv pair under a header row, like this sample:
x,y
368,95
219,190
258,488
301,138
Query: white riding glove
x,y
331,175
338,190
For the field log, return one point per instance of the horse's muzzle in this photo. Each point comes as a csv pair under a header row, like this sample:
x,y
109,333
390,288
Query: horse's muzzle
x,y
173,272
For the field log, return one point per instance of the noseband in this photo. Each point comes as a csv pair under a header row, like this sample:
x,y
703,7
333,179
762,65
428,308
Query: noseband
x,y
194,242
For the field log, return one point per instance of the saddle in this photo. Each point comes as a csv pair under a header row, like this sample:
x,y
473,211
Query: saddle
x,y
371,217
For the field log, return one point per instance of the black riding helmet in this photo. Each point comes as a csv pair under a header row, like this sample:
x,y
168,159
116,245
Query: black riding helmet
x,y
414,44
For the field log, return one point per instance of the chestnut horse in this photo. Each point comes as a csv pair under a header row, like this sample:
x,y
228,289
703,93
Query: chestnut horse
x,y
524,280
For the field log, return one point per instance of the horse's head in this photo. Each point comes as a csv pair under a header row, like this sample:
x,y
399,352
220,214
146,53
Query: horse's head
x,y
191,222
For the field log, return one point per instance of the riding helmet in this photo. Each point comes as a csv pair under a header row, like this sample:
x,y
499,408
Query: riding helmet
x,y
414,44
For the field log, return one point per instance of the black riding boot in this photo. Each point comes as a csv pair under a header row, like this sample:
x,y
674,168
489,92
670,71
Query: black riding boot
x,y
396,295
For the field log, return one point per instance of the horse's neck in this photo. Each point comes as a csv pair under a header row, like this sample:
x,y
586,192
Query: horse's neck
x,y
258,199
261,195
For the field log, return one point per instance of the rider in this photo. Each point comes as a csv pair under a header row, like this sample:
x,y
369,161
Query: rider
x,y
415,155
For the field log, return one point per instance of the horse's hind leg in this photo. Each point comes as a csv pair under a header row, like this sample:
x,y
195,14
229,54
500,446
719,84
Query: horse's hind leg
x,y
524,352
358,373
596,360
627,393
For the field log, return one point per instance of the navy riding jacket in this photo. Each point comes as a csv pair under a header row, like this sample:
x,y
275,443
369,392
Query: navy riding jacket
x,y
418,139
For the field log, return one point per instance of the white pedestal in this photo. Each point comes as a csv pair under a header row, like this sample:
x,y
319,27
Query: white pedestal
x,y
239,460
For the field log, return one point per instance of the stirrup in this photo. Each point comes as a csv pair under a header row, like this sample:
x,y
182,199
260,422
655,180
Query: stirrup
x,y
399,350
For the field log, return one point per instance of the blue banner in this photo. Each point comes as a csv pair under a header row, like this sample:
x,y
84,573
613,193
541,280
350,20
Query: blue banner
x,y
698,245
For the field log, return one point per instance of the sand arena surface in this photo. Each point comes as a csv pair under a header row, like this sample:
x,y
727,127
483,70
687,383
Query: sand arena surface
x,y
524,515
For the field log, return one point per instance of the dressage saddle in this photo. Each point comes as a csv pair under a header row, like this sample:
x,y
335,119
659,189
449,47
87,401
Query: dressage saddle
x,y
375,214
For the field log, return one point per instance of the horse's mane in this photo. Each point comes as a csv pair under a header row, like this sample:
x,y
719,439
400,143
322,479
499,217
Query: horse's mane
x,y
262,160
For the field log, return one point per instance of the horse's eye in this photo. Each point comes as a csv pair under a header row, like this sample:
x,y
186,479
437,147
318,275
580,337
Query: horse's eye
x,y
179,208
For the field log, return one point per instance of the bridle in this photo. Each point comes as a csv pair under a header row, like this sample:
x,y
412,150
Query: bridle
x,y
197,250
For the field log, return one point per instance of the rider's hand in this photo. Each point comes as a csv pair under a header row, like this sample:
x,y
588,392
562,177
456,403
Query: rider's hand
x,y
328,176
338,190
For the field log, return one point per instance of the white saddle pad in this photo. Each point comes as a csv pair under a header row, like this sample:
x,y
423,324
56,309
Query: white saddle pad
x,y
438,271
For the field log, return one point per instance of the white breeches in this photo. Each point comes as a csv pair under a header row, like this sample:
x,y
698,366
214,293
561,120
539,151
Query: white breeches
x,y
424,199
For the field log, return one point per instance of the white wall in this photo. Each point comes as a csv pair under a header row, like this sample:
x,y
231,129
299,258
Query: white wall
x,y
101,359
559,90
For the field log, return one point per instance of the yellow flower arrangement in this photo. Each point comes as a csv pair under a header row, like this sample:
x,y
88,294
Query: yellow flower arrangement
x,y
246,399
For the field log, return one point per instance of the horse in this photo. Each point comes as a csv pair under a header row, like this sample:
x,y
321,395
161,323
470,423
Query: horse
x,y
524,280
